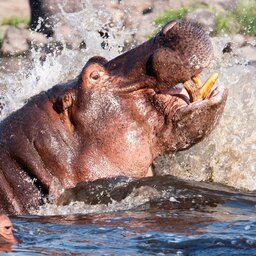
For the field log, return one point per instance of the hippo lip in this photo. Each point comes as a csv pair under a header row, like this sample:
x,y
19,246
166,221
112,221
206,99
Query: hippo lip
x,y
193,90
177,100
214,97
178,92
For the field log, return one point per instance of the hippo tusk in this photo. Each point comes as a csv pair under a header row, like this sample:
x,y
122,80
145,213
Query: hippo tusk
x,y
197,90
198,81
193,91
204,90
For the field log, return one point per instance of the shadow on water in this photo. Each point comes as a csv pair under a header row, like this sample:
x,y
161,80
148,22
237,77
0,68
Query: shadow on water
x,y
178,218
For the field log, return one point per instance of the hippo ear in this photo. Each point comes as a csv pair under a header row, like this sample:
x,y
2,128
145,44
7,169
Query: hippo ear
x,y
63,103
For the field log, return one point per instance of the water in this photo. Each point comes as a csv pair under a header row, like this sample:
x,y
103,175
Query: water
x,y
153,219
183,222
228,155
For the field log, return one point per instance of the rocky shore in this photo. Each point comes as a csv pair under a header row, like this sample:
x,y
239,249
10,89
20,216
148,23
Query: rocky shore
x,y
137,16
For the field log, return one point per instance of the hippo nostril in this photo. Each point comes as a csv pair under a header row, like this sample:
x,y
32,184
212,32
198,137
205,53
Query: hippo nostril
x,y
168,26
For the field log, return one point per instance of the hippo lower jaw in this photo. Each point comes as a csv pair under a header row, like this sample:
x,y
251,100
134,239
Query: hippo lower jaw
x,y
190,121
195,121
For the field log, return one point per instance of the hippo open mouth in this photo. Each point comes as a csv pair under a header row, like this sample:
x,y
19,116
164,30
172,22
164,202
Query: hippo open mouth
x,y
176,55
192,90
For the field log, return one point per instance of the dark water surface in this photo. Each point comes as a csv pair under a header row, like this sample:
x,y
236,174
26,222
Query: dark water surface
x,y
170,225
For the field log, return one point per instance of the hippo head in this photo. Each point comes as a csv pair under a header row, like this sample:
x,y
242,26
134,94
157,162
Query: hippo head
x,y
6,230
179,52
130,109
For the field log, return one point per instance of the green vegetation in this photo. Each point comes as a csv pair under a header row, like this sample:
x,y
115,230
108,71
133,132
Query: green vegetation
x,y
14,21
245,14
170,15
166,16
242,19
224,24
1,38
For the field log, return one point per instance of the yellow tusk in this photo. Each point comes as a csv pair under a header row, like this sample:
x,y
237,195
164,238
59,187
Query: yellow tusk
x,y
197,81
208,85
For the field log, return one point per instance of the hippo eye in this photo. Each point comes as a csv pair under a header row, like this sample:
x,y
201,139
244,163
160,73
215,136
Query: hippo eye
x,y
95,75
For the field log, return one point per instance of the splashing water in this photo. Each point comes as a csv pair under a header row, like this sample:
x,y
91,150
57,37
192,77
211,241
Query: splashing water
x,y
160,228
227,156
35,75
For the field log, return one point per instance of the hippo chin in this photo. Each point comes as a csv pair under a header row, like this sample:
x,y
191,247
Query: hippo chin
x,y
113,120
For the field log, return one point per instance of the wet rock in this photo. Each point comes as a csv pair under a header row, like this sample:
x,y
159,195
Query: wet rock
x,y
248,52
44,13
141,7
252,63
37,38
14,8
226,5
238,40
15,41
65,35
220,5
251,41
3,29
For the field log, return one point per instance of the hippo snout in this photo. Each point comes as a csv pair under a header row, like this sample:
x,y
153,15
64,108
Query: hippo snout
x,y
184,51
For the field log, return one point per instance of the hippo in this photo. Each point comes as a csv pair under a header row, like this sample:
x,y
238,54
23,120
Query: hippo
x,y
112,120
6,234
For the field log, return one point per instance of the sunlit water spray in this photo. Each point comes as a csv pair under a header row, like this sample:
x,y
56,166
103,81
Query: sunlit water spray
x,y
227,156
35,75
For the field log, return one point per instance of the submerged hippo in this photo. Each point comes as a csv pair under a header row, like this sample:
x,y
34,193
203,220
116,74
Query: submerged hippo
x,y
113,120
6,234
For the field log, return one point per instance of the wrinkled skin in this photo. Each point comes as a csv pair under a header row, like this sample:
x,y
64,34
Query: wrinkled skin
x,y
113,120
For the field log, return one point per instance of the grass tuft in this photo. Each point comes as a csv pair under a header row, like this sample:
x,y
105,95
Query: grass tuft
x,y
15,21
242,19
172,14
245,14
166,16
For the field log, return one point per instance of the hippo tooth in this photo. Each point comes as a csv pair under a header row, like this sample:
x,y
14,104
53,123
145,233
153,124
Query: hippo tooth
x,y
197,80
204,90
197,90
193,91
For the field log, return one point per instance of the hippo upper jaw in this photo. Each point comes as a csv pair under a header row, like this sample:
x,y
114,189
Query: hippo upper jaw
x,y
186,123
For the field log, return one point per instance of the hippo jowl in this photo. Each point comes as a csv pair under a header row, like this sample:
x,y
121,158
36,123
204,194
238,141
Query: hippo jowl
x,y
114,119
